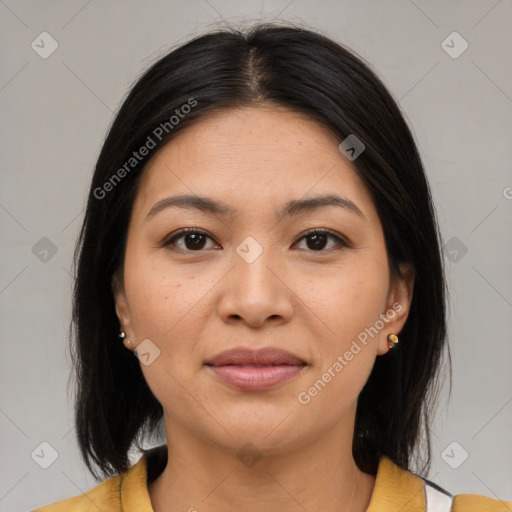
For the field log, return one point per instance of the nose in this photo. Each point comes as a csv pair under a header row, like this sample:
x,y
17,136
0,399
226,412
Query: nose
x,y
255,293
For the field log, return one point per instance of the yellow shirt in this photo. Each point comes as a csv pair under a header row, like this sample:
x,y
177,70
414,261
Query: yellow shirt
x,y
395,490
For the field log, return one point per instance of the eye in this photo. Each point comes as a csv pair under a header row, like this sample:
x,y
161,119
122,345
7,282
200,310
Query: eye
x,y
192,239
317,240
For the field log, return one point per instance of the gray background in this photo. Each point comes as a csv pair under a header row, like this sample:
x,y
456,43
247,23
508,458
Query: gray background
x,y
55,113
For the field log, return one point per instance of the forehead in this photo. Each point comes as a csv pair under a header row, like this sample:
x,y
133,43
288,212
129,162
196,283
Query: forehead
x,y
251,157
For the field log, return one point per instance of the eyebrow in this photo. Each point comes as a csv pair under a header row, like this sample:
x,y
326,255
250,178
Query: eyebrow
x,y
294,207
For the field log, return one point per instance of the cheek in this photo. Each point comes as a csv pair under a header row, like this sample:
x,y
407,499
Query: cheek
x,y
349,305
347,349
163,299
349,300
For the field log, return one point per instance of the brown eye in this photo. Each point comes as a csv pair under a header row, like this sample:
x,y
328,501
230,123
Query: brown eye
x,y
189,240
194,240
318,239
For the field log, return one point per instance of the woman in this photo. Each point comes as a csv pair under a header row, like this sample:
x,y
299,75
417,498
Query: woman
x,y
260,235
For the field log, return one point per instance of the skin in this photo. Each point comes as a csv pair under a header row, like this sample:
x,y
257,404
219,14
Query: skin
x,y
194,303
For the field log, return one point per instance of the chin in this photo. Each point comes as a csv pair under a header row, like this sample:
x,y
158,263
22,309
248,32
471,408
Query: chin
x,y
252,441
270,432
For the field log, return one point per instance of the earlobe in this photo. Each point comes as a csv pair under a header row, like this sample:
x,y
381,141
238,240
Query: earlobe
x,y
398,307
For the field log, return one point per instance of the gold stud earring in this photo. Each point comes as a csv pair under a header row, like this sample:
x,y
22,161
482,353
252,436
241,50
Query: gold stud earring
x,y
392,340
127,342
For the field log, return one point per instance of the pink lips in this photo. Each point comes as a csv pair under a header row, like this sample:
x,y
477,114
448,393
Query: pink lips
x,y
255,370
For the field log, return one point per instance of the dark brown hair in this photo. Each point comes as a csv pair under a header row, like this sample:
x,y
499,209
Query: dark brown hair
x,y
303,70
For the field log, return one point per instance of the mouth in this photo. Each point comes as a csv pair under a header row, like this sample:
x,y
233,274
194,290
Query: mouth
x,y
252,370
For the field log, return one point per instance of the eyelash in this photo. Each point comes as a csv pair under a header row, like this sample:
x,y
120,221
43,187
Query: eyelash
x,y
185,231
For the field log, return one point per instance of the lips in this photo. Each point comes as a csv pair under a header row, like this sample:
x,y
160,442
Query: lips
x,y
255,370
261,357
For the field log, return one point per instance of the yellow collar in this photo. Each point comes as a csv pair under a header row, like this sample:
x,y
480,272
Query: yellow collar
x,y
395,488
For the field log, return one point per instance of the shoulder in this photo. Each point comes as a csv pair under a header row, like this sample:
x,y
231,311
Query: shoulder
x,y
462,502
397,488
105,496
478,503
127,491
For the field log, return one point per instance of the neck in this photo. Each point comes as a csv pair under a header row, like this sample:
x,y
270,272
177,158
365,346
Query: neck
x,y
319,476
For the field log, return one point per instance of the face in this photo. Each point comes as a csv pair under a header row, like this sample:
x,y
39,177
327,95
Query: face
x,y
310,279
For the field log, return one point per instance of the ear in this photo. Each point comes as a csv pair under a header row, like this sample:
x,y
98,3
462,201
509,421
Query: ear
x,y
398,305
121,303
